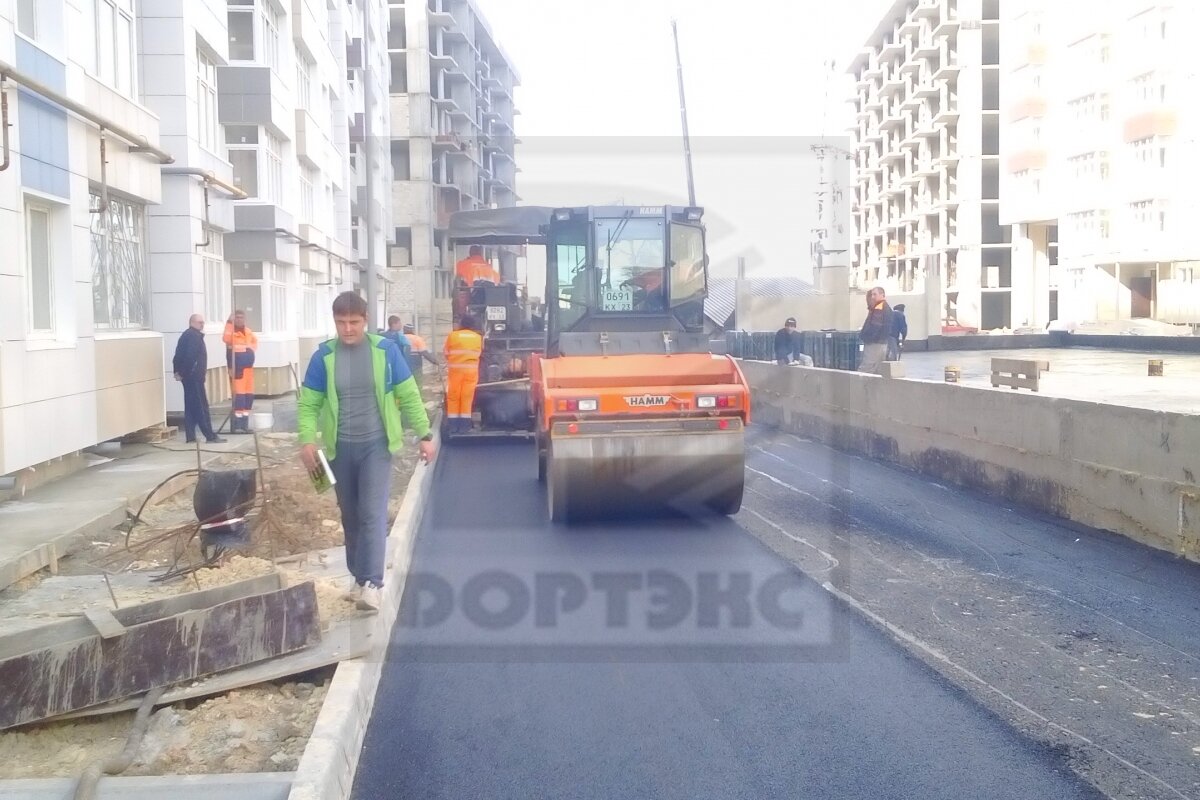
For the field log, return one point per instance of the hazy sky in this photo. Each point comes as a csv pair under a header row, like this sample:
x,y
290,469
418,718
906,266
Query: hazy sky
x,y
600,117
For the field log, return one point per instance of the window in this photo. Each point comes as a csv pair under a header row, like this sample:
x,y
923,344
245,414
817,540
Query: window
x,y
40,267
241,30
687,264
310,313
303,83
242,141
27,18
248,291
273,168
630,265
279,298
114,44
120,277
271,24
216,277
307,211
209,129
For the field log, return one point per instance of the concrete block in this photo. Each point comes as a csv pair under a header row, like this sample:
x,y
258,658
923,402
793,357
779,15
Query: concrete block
x,y
892,369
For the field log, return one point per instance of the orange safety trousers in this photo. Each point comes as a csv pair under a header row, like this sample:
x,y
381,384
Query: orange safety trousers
x,y
460,390
463,350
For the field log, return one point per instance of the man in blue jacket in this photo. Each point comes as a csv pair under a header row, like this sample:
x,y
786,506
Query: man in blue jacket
x,y
190,365
358,390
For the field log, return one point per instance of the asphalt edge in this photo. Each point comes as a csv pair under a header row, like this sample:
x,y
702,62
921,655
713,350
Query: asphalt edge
x,y
330,760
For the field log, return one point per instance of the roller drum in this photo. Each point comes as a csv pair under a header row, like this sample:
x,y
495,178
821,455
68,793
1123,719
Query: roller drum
x,y
609,469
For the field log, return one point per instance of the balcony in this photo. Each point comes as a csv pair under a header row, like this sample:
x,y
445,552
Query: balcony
x,y
441,19
927,9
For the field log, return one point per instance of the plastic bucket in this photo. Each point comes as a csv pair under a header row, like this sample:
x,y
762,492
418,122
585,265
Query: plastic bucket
x,y
263,420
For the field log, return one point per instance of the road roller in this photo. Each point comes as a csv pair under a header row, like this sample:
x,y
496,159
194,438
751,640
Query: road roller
x,y
635,406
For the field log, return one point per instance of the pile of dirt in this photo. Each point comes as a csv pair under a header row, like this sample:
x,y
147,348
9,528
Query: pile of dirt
x,y
259,729
294,519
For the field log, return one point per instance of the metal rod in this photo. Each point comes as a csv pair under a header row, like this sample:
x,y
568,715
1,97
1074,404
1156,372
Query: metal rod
x,y
4,127
207,228
209,178
140,144
687,142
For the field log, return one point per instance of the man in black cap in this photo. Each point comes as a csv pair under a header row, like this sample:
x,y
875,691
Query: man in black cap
x,y
787,346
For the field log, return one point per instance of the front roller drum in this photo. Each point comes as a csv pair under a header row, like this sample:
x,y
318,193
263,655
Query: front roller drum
x,y
691,467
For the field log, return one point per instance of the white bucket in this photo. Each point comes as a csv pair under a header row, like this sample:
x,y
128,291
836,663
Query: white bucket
x,y
263,420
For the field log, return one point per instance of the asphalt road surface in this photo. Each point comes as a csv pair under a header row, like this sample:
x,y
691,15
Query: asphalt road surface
x,y
932,644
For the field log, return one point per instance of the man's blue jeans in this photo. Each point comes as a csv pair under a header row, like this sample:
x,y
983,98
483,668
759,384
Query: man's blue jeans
x,y
364,479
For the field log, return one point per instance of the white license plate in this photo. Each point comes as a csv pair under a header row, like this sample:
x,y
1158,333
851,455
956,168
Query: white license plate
x,y
497,313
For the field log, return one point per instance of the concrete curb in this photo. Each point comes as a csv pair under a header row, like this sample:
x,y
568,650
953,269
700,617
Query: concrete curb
x,y
330,760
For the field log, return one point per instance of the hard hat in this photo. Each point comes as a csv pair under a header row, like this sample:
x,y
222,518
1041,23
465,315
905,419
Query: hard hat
x,y
408,327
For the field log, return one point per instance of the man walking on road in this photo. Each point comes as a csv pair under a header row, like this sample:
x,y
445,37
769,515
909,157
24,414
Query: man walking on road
x,y
191,366
876,331
360,391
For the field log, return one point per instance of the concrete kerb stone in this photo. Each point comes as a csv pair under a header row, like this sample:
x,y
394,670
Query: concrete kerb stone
x,y
330,760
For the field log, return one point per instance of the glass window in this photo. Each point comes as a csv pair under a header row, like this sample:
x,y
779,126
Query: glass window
x,y
306,193
630,263
105,33
303,83
216,278
273,168
271,24
248,298
241,34
41,283
245,169
27,18
574,277
209,129
688,284
120,273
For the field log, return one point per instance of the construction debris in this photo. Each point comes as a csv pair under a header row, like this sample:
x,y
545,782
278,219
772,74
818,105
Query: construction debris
x,y
68,665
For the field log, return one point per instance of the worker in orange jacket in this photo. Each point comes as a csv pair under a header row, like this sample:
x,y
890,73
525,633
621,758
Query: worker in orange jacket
x,y
476,268
463,349
240,346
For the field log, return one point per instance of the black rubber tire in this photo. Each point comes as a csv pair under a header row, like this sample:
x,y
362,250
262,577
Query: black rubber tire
x,y
541,458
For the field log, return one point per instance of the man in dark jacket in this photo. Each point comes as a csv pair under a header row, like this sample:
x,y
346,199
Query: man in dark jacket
x,y
876,330
785,342
190,366
899,333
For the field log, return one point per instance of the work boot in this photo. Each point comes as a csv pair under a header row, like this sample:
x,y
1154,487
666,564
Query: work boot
x,y
353,590
216,440
369,597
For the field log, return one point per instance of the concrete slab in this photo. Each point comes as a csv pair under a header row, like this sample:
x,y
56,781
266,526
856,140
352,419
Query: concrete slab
x,y
1100,376
258,786
52,521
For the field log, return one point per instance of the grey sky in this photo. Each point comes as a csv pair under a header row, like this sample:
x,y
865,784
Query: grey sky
x,y
598,84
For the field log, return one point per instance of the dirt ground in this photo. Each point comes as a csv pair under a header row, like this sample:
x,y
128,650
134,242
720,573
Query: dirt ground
x,y
262,728
293,519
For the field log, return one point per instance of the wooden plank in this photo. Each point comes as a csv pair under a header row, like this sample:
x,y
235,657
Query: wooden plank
x,y
85,672
104,622
349,638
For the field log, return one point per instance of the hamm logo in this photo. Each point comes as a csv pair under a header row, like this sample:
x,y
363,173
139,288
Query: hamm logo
x,y
647,400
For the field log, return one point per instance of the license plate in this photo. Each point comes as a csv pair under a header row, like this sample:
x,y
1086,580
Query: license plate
x,y
497,313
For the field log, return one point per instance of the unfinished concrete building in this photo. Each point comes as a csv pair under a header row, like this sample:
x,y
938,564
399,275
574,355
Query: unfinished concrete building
x,y
453,146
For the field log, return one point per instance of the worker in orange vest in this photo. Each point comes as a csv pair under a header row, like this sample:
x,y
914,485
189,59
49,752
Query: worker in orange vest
x,y
463,349
418,350
240,346
476,268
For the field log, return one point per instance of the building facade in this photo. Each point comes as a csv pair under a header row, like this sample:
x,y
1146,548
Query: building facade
x,y
927,149
80,361
165,159
1099,133
452,147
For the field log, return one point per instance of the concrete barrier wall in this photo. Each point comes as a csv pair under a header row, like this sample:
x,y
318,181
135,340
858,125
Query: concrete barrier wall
x,y
1130,471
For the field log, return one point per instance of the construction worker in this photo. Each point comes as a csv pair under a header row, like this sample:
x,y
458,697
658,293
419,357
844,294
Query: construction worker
x,y
417,351
476,268
417,343
240,346
464,347
394,333
358,393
